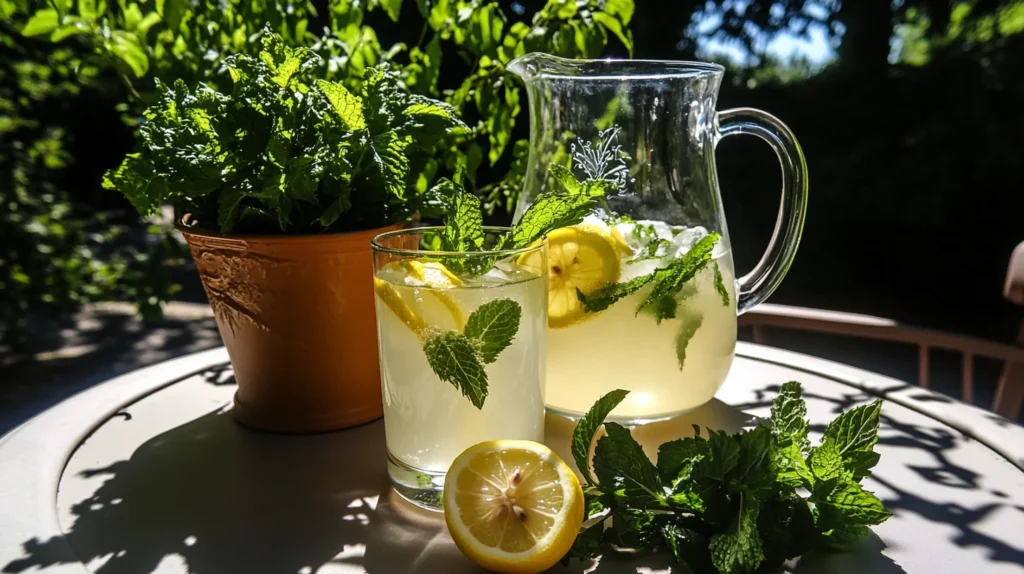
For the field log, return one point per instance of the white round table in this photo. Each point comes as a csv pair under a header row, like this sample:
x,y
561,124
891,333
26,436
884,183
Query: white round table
x,y
149,473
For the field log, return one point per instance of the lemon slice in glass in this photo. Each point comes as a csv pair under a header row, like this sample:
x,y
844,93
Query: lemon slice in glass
x,y
430,274
584,258
512,506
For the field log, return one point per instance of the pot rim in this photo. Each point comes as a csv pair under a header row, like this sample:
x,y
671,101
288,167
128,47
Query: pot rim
x,y
292,238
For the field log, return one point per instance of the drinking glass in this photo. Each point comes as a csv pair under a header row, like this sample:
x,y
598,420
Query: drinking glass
x,y
448,324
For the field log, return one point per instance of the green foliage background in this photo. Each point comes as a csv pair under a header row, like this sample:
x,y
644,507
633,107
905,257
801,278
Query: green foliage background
x,y
59,250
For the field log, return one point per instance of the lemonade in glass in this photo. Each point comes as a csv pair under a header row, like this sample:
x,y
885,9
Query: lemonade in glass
x,y
462,343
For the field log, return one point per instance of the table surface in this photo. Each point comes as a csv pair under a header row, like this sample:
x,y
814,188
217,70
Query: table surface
x,y
148,472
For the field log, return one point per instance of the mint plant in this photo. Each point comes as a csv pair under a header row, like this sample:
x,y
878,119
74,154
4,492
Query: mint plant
x,y
731,504
284,150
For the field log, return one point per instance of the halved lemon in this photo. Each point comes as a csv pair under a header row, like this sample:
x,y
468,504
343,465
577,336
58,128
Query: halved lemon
x,y
584,258
512,506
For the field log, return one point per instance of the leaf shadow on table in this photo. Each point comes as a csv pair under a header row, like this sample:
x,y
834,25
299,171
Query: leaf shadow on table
x,y
221,499
930,453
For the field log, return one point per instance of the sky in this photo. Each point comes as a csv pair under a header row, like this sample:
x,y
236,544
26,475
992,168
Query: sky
x,y
814,46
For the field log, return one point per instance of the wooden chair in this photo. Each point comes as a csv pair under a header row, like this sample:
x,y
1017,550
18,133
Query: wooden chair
x,y
1010,390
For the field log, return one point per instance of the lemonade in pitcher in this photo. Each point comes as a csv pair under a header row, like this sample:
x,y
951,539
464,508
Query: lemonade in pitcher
x,y
672,352
643,294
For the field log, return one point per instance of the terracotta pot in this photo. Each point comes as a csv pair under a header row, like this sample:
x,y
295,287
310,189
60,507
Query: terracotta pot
x,y
297,316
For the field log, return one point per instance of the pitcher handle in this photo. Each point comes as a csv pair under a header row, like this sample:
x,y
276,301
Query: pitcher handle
x,y
756,286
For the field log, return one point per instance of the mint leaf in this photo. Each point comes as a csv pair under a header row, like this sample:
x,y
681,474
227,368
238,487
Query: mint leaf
x,y
494,324
854,434
387,154
604,297
676,458
689,548
455,359
634,528
724,455
668,281
720,286
790,467
787,530
463,228
856,429
825,462
789,415
550,211
843,537
848,504
586,428
754,467
565,178
656,249
623,469
687,330
348,106
740,549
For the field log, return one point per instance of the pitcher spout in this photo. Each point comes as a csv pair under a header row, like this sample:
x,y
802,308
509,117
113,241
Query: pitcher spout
x,y
536,64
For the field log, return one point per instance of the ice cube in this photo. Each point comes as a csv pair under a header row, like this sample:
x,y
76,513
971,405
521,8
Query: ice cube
x,y
687,238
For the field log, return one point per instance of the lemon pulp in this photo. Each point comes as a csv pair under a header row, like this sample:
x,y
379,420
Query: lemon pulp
x,y
512,506
582,257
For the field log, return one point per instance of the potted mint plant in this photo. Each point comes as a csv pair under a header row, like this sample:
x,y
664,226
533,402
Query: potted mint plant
x,y
278,186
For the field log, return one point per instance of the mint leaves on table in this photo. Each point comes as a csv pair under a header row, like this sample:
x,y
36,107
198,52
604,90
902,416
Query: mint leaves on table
x,y
459,358
726,503
667,282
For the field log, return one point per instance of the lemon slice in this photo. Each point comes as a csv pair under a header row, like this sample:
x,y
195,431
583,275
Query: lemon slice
x,y
393,299
512,506
437,276
422,274
584,258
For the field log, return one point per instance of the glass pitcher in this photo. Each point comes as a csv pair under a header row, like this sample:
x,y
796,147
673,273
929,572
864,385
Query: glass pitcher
x,y
643,294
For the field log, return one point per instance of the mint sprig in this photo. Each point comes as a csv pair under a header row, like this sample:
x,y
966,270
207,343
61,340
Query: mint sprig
x,y
459,358
730,503
667,282
720,286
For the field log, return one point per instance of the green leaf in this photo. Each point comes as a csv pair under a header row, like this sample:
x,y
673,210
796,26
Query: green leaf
x,y
550,211
613,25
387,154
622,468
41,23
455,359
125,46
856,429
87,9
228,210
787,530
691,322
463,227
348,106
668,281
847,504
724,455
174,12
740,549
494,324
334,211
605,296
720,286
790,467
754,467
789,415
676,458
825,462
586,428
70,26
565,178
392,7
635,529
689,548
